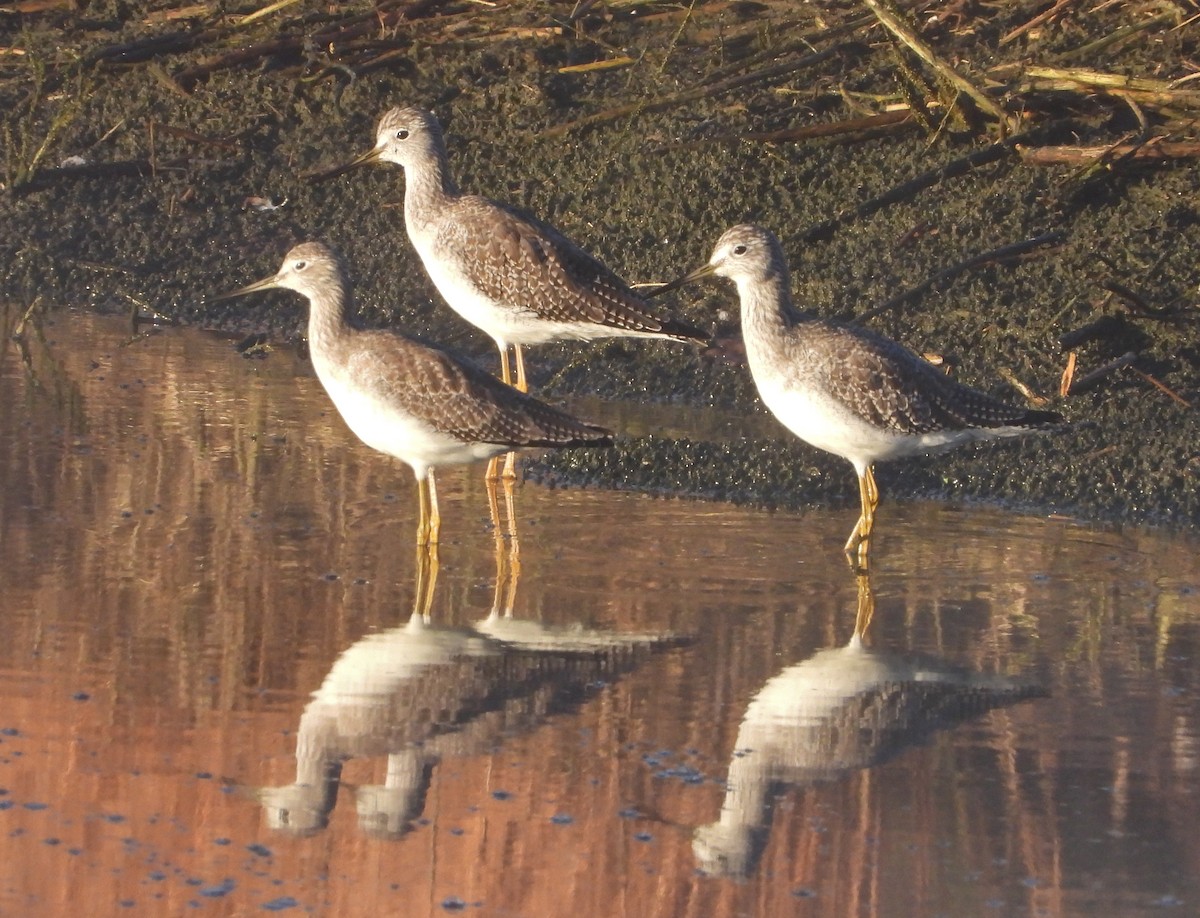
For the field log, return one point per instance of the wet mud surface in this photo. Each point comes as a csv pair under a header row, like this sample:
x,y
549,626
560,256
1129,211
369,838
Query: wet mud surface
x,y
649,193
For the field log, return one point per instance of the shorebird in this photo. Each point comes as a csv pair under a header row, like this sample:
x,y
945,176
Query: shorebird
x,y
844,389
843,709
519,280
409,400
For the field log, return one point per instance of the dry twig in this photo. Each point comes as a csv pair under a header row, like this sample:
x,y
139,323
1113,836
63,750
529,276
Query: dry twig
x,y
1004,253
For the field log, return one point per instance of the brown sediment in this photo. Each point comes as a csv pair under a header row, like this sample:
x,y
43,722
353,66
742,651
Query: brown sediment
x,y
816,123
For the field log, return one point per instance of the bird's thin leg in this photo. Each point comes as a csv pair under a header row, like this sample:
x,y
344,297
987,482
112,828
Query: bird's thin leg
x,y
522,383
493,467
859,542
494,508
514,548
427,571
508,561
510,469
501,555
435,518
505,370
866,605
422,511
498,540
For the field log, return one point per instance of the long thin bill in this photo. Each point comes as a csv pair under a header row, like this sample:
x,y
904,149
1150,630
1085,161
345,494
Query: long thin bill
x,y
366,159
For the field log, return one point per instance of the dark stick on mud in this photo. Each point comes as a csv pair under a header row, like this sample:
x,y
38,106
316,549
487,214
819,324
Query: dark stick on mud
x,y
1090,380
1163,388
1103,328
902,192
866,127
775,71
1004,253
128,168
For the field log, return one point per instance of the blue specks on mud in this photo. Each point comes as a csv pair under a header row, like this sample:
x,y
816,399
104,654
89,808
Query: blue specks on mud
x,y
280,903
9,731
643,837
630,813
562,819
81,696
260,850
221,841
501,795
223,888
34,805
453,904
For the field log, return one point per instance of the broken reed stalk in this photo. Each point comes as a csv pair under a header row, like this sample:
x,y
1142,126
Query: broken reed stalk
x,y
1155,149
1036,21
1155,93
894,24
1089,380
1094,47
384,15
786,68
1003,253
1161,387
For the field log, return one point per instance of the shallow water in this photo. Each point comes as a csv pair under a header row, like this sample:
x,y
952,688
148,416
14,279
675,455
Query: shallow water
x,y
214,697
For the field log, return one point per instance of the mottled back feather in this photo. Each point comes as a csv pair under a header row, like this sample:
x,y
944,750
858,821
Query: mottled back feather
x,y
456,397
529,265
892,388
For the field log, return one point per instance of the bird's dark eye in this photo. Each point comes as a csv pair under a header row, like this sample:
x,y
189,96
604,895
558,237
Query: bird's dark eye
x,y
402,134
739,250
301,265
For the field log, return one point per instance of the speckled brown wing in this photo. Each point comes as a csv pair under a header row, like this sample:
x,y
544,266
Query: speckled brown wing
x,y
893,388
458,398
529,265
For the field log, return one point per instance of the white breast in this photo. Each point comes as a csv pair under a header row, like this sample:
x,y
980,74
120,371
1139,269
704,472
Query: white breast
x,y
387,427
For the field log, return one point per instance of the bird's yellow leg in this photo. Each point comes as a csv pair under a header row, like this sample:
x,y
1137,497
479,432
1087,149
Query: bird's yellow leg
x,y
493,467
427,572
866,605
514,547
522,383
505,370
494,508
435,517
508,561
859,542
510,461
422,511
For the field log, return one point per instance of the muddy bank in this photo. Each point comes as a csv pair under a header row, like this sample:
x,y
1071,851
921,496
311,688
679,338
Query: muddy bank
x,y
214,196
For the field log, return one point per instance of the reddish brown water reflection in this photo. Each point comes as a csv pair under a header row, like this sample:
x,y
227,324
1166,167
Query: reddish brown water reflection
x,y
194,545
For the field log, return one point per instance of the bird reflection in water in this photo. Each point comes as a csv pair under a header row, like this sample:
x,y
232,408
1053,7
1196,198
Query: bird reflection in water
x,y
843,709
422,692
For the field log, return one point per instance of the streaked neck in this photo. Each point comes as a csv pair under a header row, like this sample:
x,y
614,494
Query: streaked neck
x,y
767,308
327,314
428,186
